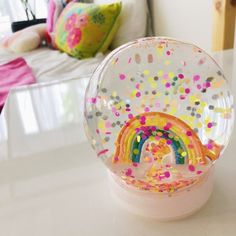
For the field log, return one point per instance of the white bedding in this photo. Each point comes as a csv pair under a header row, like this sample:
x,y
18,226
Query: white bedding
x,y
50,65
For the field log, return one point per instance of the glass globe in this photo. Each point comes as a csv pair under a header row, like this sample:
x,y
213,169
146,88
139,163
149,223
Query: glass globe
x,y
158,113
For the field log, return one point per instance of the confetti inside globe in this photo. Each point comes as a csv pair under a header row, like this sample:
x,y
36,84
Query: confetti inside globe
x,y
159,113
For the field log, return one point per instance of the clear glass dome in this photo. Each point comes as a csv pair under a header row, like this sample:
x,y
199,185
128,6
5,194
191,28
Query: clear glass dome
x,y
158,113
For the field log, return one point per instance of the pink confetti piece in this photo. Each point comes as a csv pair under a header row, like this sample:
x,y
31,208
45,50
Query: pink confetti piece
x,y
93,100
209,125
135,164
189,133
102,152
166,128
157,104
108,124
199,86
130,116
209,146
169,142
187,90
122,76
167,85
202,61
167,174
128,172
191,168
196,77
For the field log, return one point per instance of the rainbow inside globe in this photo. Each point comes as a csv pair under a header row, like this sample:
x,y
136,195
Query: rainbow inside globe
x,y
159,113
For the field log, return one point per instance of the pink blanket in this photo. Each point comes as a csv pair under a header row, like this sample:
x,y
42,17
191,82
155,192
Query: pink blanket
x,y
14,74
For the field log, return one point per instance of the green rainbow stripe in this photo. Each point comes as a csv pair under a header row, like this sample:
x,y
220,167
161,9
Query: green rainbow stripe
x,y
140,138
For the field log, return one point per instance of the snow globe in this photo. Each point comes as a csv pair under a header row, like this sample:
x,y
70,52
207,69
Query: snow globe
x,y
159,113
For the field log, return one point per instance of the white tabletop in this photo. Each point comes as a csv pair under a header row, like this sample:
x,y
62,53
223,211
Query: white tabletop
x,y
52,184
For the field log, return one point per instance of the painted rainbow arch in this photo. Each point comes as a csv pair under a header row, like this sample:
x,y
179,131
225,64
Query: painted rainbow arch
x,y
161,133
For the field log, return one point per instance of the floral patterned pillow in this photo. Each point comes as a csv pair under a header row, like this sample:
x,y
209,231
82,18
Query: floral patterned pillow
x,y
82,29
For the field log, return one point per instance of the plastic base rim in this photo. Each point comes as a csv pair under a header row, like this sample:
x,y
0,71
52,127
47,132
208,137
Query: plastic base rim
x,y
162,207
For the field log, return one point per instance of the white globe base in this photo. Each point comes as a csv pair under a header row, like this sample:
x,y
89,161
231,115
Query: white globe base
x,y
162,207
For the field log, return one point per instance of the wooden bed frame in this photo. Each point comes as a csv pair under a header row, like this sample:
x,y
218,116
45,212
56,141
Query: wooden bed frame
x,y
224,16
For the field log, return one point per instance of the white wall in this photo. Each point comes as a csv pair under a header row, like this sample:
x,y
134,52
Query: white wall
x,y
187,20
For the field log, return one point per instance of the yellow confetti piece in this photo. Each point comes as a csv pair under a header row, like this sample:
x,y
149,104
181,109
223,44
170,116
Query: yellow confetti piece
x,y
193,99
160,50
146,72
208,130
199,110
173,110
203,104
163,81
199,125
150,80
138,138
136,151
207,120
166,100
158,94
172,189
154,85
133,93
184,154
123,111
160,73
181,90
101,125
171,75
114,93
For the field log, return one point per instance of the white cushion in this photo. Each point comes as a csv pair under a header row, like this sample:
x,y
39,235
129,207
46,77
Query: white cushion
x,y
25,42
133,21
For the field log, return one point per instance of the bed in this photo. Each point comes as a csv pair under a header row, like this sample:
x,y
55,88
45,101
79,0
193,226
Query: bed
x,y
51,65
36,114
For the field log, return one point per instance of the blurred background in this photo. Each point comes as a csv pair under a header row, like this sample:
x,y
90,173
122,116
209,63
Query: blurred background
x,y
197,21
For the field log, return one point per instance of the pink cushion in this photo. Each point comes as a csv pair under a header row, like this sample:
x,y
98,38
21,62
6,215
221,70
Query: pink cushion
x,y
14,74
50,18
55,8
